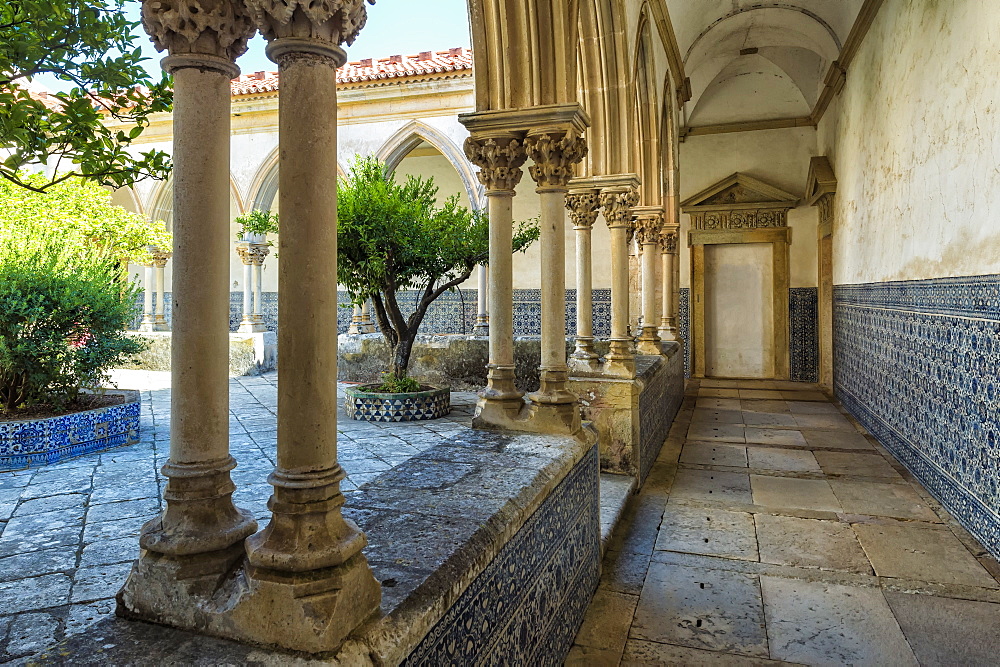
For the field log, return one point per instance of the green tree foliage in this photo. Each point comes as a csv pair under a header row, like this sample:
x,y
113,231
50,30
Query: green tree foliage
x,y
393,236
82,215
87,129
257,221
63,315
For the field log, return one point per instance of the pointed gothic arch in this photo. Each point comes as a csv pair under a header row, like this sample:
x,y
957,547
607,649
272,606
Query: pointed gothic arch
x,y
264,187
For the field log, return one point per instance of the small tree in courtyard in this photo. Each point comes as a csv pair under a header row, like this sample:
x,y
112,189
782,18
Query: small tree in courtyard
x,y
392,237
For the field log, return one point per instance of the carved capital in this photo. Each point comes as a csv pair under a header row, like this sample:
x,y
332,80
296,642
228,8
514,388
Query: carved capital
x,y
668,240
554,154
253,253
647,228
583,206
219,28
332,22
617,204
159,258
499,161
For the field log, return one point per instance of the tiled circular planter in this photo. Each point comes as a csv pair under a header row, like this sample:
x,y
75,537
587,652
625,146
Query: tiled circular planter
x,y
365,405
33,442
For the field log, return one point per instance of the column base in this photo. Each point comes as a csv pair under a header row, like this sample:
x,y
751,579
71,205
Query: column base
x,y
252,327
200,516
368,328
311,612
553,388
648,342
668,334
556,418
620,360
482,327
148,324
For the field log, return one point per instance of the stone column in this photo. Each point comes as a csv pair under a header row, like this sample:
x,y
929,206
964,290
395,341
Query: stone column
x,y
308,546
617,203
583,206
499,159
200,530
258,268
482,327
554,153
242,249
356,321
668,254
253,256
148,315
160,258
649,220
367,326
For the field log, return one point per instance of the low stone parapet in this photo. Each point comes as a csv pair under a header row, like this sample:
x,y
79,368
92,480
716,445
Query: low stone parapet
x,y
249,353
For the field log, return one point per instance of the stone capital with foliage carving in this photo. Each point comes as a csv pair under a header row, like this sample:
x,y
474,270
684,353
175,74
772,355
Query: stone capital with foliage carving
x,y
332,22
215,28
647,228
253,253
668,240
499,161
159,258
583,206
617,204
554,154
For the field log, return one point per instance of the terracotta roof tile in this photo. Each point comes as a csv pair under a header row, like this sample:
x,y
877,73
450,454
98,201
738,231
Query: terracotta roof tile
x,y
371,70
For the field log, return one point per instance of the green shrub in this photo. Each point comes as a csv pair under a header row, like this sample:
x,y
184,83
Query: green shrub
x,y
392,384
63,315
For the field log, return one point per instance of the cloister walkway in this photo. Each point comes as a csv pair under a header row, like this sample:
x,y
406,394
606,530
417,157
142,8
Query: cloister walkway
x,y
772,528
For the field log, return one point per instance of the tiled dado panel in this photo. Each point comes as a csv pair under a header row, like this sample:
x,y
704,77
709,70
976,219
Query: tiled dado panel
x,y
916,363
452,312
803,338
526,607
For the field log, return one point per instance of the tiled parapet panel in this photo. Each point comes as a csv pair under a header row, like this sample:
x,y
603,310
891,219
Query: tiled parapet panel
x,y
526,607
659,402
36,442
916,363
684,326
803,338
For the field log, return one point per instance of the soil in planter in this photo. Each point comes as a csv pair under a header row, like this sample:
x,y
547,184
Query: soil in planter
x,y
373,389
82,403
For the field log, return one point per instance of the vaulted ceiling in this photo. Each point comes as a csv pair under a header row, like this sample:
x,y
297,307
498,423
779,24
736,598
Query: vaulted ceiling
x,y
753,60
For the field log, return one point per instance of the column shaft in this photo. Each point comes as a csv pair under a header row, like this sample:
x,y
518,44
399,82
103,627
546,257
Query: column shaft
x,y
148,316
482,326
161,304
247,293
553,370
500,375
258,271
583,206
617,203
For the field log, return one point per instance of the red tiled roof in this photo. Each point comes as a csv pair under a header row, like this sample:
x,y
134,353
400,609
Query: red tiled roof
x,y
371,70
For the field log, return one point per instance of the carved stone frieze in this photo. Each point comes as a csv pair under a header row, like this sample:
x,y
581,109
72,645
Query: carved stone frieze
x,y
647,228
218,28
583,207
334,22
617,204
749,218
253,253
825,205
499,161
554,155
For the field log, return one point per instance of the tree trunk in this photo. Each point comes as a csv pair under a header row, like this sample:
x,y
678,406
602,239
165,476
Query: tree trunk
x,y
401,356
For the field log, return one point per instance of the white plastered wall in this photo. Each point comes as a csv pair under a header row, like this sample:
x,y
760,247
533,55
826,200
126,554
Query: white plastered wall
x,y
914,139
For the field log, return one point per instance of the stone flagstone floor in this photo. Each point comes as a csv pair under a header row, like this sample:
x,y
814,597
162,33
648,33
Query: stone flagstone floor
x,y
773,529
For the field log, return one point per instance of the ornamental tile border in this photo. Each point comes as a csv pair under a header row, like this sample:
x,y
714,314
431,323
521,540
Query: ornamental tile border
x,y
684,325
526,607
803,330
35,442
925,384
369,406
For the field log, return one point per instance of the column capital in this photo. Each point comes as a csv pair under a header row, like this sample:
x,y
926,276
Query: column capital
x,y
309,29
617,203
499,159
668,239
199,33
159,257
253,253
648,222
554,152
583,206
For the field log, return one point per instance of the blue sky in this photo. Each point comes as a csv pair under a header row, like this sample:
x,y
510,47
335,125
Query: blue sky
x,y
394,27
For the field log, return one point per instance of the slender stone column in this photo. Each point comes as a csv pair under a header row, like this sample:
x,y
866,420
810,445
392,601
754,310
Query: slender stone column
x,y
148,315
356,321
160,258
258,268
554,153
583,206
199,521
647,229
482,327
668,252
243,251
253,256
367,326
308,545
499,159
617,203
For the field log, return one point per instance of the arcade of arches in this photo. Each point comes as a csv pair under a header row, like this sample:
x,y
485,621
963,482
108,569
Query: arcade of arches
x,y
765,295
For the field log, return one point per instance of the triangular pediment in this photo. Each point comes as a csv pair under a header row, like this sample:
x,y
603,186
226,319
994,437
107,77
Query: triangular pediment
x,y
821,180
739,190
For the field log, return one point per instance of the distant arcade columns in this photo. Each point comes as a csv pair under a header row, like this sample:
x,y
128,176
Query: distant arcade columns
x,y
648,221
617,202
583,205
155,319
668,257
252,256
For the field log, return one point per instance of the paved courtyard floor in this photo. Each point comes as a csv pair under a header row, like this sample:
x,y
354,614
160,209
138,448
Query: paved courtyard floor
x,y
773,529
69,532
